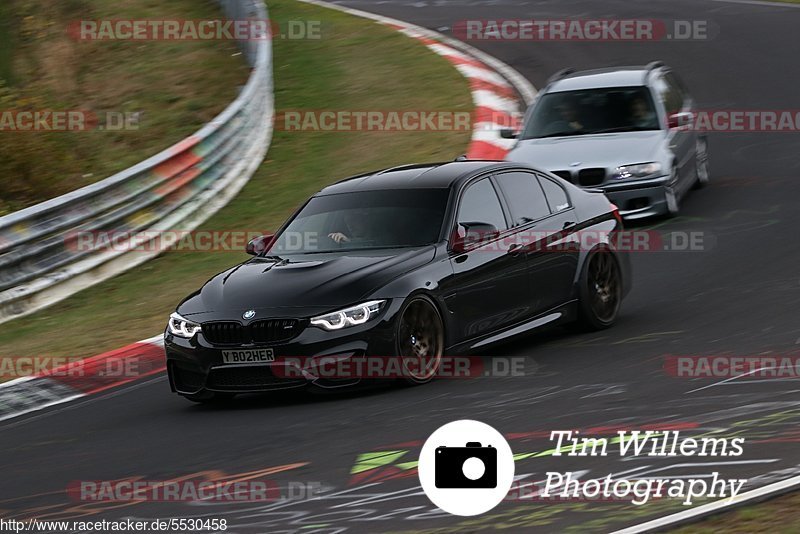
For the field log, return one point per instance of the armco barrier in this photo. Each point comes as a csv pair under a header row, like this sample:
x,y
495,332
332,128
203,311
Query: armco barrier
x,y
178,188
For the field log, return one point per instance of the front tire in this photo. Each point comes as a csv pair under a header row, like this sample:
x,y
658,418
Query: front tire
x,y
701,162
600,294
419,337
673,205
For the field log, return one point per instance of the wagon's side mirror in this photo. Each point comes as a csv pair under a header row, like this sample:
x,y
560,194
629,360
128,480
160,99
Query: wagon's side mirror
x,y
680,120
470,234
259,244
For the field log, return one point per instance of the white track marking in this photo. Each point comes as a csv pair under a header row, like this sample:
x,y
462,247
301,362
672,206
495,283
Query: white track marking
x,y
700,511
729,379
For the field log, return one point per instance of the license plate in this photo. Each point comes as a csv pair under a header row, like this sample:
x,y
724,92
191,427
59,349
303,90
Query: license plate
x,y
248,356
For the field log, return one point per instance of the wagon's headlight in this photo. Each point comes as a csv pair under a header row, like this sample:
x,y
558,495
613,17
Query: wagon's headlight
x,y
181,327
639,170
351,316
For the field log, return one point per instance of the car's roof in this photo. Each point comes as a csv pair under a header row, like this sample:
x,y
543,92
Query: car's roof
x,y
422,176
597,78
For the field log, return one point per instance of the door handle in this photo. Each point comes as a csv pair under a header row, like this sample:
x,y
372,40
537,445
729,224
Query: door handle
x,y
568,225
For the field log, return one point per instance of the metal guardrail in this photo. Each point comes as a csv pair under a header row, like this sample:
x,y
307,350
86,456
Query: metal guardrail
x,y
178,189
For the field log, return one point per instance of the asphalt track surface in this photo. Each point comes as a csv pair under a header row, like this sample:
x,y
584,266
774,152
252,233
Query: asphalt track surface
x,y
739,296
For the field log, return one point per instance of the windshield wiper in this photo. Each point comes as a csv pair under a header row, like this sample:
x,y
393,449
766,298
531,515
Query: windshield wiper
x,y
620,129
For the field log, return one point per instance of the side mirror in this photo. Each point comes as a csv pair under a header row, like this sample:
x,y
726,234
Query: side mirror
x,y
259,244
474,233
508,133
680,120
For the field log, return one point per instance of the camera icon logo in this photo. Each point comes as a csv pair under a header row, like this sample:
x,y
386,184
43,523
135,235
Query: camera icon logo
x,y
472,466
466,467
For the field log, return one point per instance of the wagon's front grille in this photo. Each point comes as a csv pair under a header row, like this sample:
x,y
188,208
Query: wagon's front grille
x,y
588,177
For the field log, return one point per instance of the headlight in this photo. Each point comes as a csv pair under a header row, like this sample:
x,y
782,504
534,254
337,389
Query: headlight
x,y
182,327
639,170
352,316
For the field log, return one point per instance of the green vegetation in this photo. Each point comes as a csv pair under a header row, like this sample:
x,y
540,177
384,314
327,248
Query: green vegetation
x,y
355,65
6,44
171,87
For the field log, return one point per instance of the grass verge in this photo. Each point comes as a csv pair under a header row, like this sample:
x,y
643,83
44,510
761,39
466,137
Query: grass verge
x,y
355,65
167,88
6,44
777,516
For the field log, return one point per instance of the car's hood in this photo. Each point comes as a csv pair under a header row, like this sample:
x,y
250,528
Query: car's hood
x,y
582,151
312,282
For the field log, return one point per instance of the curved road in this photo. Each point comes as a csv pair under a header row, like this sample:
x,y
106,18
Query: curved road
x,y
741,295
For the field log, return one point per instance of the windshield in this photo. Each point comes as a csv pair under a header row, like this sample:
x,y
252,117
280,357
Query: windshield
x,y
365,220
592,111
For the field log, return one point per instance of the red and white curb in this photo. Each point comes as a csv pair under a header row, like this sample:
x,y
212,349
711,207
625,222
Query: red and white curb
x,y
82,378
500,93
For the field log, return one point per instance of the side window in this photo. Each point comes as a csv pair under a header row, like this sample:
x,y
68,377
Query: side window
x,y
676,88
670,95
556,196
480,204
524,196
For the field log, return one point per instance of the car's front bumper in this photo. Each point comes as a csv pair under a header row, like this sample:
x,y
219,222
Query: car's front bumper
x,y
639,199
195,366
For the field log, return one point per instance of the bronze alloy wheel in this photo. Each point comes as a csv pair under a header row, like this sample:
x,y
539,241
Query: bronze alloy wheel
x,y
420,340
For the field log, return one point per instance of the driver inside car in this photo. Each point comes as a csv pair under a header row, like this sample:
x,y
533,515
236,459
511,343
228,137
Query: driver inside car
x,y
570,115
355,227
642,114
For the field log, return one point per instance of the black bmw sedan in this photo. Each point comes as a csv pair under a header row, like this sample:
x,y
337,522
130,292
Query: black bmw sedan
x,y
412,264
